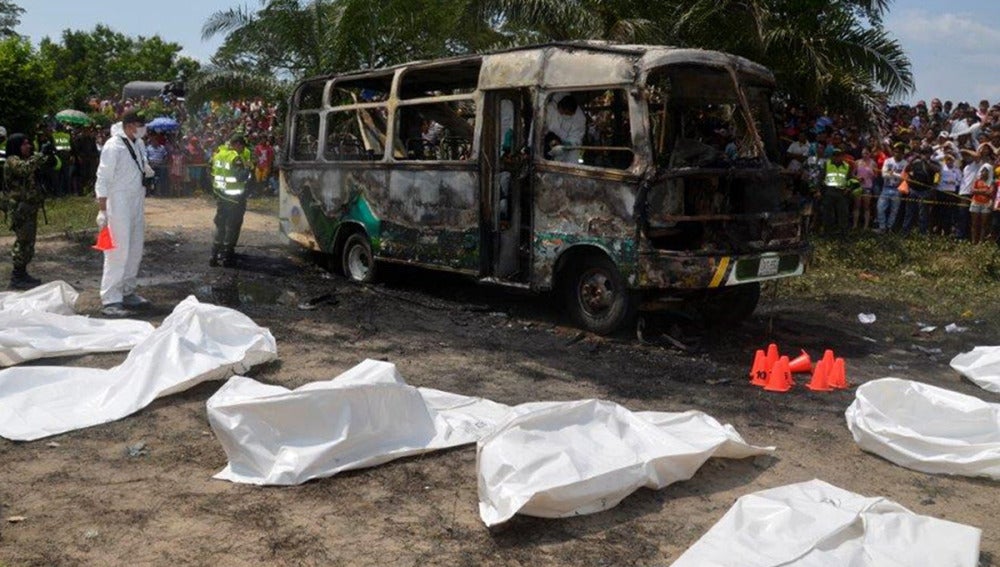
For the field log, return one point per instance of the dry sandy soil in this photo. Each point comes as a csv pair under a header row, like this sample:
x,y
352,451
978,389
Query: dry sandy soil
x,y
86,502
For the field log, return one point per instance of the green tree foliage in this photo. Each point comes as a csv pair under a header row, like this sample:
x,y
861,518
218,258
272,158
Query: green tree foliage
x,y
99,62
10,17
830,52
24,82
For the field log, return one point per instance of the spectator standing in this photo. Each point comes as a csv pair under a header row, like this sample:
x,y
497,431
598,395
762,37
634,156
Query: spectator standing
x,y
834,203
264,158
231,166
22,198
982,203
921,177
121,200
949,203
971,173
864,171
158,156
887,208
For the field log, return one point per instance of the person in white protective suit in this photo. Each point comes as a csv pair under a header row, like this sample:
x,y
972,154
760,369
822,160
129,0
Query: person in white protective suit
x,y
565,125
121,199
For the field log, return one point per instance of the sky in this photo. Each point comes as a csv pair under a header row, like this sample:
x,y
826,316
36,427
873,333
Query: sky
x,y
953,45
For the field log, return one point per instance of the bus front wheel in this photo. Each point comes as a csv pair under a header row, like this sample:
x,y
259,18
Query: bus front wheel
x,y
357,259
597,296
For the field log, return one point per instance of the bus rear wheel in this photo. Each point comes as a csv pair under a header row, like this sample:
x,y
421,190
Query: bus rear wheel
x,y
597,296
357,259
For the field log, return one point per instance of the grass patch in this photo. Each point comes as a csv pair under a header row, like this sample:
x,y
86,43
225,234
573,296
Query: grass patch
x,y
70,214
937,275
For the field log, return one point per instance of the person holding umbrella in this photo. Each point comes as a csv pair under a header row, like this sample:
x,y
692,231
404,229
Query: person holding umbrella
x,y
22,198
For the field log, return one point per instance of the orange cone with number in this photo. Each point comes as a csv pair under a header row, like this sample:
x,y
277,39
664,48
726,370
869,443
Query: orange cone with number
x,y
104,241
819,378
780,378
801,363
758,372
838,375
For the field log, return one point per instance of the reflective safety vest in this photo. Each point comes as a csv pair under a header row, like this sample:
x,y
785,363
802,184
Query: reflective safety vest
x,y
836,175
229,171
61,141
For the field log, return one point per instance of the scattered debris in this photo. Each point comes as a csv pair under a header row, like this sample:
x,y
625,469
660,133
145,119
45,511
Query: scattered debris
x,y
928,329
318,301
576,338
16,519
137,450
953,328
926,350
91,534
869,339
866,318
717,381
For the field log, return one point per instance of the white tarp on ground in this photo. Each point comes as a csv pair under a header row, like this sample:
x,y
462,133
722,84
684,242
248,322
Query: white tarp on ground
x,y
562,459
926,428
40,323
815,524
981,365
362,418
53,297
197,342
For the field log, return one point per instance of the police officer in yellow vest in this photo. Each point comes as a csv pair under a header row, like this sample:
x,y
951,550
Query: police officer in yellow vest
x,y
836,193
231,165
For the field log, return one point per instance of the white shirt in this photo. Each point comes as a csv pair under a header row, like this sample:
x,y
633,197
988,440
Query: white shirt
x,y
971,173
891,172
951,179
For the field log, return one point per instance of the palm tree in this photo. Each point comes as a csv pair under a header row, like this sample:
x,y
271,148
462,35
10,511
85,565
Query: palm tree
x,y
834,53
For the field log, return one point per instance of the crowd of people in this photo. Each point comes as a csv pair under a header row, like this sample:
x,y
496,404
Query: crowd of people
x,y
930,169
179,153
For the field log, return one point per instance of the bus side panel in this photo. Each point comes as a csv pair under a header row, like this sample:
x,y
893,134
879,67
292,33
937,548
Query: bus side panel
x,y
579,207
431,217
315,202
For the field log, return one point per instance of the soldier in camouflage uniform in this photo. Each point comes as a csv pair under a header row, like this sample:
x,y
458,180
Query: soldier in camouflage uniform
x,y
22,198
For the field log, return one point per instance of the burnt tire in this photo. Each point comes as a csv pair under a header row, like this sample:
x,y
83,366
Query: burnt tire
x,y
596,296
357,259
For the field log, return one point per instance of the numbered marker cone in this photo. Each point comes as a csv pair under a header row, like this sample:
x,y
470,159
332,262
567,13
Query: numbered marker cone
x,y
838,375
780,378
104,241
819,381
758,372
801,363
772,356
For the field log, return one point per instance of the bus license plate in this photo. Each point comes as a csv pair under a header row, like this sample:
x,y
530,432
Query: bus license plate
x,y
768,266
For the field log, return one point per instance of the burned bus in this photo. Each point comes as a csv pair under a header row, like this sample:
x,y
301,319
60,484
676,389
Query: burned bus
x,y
669,190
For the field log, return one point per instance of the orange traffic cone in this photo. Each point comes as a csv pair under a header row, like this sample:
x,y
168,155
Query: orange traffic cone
x,y
838,376
758,372
819,381
772,356
828,359
801,363
780,378
104,241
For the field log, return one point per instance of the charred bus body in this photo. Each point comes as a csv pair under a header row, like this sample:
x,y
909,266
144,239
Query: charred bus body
x,y
673,191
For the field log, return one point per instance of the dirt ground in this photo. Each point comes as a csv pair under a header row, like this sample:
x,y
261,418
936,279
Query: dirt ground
x,y
84,501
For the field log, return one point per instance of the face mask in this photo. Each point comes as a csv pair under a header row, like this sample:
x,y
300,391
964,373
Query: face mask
x,y
140,132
